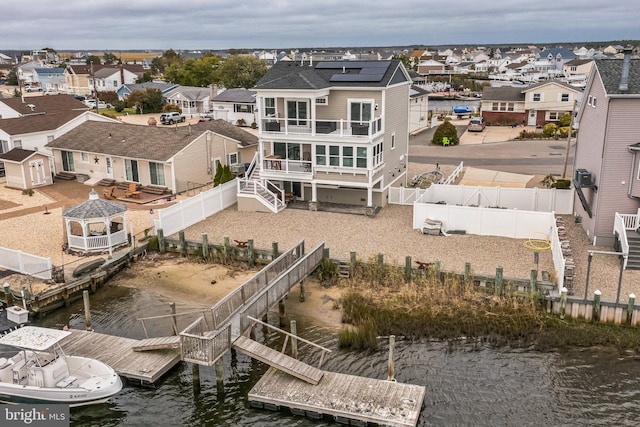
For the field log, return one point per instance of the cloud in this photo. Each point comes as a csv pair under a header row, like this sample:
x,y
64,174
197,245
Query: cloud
x,y
221,24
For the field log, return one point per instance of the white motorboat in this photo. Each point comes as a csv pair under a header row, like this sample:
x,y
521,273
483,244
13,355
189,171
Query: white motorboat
x,y
41,373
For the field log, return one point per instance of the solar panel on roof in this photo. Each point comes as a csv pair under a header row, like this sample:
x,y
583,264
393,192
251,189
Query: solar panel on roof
x,y
355,78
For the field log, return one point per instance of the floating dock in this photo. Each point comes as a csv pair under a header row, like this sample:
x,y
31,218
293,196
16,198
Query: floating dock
x,y
348,399
144,366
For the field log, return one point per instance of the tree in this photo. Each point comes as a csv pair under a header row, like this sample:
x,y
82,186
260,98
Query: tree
x,y
110,58
445,130
218,176
194,72
169,57
241,71
93,60
12,77
146,101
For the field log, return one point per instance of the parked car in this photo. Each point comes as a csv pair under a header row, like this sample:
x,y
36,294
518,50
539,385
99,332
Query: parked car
x,y
30,88
171,118
476,124
205,118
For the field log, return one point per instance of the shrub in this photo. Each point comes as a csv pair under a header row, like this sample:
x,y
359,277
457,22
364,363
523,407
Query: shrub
x,y
448,130
169,108
119,106
550,129
562,184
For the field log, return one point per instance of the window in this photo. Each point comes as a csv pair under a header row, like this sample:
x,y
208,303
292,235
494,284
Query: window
x,y
334,155
269,107
590,100
537,97
156,173
17,143
554,115
67,161
4,146
361,111
361,157
393,141
85,157
347,157
131,169
321,157
378,157
243,108
233,158
495,106
564,97
115,83
593,102
297,113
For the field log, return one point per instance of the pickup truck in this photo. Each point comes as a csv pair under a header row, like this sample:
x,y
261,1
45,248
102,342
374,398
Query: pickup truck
x,y
30,88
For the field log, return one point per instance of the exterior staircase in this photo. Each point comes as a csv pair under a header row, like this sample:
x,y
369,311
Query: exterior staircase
x,y
261,189
633,260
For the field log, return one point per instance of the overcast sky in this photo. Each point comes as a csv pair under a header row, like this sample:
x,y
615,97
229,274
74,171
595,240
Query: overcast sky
x,y
271,24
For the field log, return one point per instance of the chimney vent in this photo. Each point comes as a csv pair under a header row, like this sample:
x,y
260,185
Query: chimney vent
x,y
626,63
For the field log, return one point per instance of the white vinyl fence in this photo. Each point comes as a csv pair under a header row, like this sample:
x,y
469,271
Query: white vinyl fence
x,y
197,208
21,262
531,199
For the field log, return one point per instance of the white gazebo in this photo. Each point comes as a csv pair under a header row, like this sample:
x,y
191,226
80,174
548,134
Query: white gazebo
x,y
97,225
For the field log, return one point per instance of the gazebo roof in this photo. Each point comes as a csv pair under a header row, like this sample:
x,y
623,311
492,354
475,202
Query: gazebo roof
x,y
95,207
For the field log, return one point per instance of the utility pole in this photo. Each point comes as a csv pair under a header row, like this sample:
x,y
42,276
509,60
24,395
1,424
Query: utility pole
x,y
566,155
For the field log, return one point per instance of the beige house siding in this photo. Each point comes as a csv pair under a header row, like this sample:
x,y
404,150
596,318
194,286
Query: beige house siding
x,y
396,115
191,165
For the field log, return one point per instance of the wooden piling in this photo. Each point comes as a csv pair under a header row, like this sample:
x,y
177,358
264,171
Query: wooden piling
x,y
205,246
630,308
294,341
352,262
225,250
380,259
302,295
274,250
281,312
596,305
7,294
183,243
497,290
195,374
532,281
251,254
174,326
161,242
219,376
392,344
437,270
325,252
467,271
408,269
563,301
87,310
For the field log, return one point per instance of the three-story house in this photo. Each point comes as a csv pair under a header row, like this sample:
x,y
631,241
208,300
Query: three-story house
x,y
329,132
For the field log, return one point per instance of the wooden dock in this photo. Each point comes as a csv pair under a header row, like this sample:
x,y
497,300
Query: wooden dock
x,y
117,352
347,398
278,360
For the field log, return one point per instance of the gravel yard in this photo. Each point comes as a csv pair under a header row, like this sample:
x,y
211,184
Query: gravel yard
x,y
389,233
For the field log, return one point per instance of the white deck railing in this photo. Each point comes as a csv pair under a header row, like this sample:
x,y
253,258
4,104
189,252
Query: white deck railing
x,y
621,224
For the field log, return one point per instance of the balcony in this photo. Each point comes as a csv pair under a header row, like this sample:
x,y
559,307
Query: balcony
x,y
277,165
321,127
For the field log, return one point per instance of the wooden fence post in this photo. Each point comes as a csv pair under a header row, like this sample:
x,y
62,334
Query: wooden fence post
x,y
183,243
392,344
8,296
497,289
533,280
596,305
631,308
225,250
87,310
325,253
251,255
380,259
438,271
467,271
408,271
563,301
274,250
161,243
353,262
205,246
174,327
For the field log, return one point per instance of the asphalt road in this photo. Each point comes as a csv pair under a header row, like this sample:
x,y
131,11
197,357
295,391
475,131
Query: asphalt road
x,y
537,157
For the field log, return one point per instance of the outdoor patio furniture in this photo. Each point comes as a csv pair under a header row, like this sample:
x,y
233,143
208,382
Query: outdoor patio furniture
x,y
108,193
132,191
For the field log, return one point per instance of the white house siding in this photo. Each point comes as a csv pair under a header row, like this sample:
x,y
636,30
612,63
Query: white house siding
x,y
613,186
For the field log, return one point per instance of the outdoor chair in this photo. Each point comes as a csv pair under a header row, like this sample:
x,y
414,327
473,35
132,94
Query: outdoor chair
x,y
132,191
108,193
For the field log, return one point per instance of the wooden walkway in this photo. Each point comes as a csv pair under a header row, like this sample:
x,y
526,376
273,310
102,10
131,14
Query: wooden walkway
x,y
117,352
158,343
346,398
281,361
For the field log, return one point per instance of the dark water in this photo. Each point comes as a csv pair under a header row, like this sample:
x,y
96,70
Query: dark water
x,y
466,384
448,105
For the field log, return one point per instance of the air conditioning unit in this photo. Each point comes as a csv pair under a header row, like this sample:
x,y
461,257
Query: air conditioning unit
x,y
583,178
237,169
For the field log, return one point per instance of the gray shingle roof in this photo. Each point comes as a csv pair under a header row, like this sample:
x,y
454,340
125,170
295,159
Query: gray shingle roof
x,y
38,122
504,93
95,208
295,75
44,104
156,144
236,95
16,155
610,71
